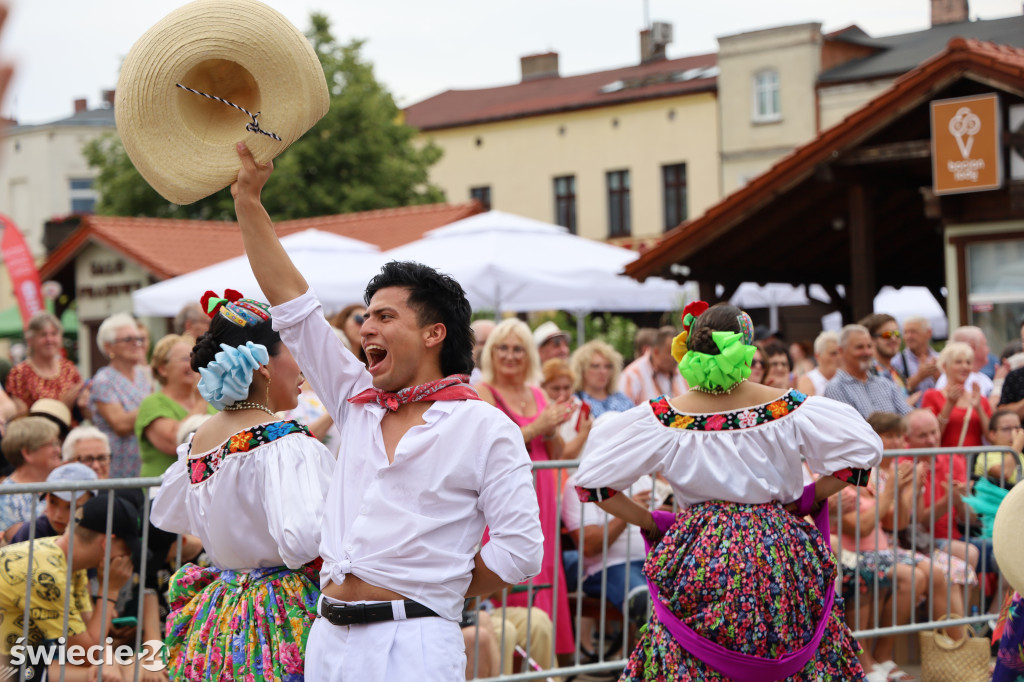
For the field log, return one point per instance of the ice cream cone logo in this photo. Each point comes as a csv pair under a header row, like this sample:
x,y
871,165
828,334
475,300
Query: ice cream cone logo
x,y
963,126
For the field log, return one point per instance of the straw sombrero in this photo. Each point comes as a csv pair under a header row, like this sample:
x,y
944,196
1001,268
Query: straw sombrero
x,y
238,51
1007,542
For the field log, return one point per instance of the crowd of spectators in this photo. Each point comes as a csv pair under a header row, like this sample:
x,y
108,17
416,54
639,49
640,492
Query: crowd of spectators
x,y
909,532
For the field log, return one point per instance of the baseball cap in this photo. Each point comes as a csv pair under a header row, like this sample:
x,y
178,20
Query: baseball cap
x,y
546,332
126,522
73,471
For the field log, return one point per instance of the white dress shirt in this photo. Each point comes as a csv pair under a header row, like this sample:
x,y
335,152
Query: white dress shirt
x,y
259,509
413,526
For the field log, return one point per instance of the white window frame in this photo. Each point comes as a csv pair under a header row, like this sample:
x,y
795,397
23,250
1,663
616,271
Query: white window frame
x,y
82,193
766,82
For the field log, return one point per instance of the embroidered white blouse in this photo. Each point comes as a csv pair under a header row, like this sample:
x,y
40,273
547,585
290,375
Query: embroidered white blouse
x,y
259,508
749,456
412,526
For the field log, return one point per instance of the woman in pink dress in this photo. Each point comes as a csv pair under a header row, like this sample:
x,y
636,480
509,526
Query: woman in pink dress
x,y
509,374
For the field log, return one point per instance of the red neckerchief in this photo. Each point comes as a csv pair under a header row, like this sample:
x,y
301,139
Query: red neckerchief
x,y
454,387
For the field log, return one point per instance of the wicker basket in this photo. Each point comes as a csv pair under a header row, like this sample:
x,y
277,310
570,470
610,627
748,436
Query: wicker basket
x,y
945,660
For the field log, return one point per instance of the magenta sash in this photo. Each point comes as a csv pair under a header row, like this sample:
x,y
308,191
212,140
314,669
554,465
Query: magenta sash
x,y
734,664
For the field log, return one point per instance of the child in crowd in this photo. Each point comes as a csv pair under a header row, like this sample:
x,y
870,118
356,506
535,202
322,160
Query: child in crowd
x,y
1004,429
57,511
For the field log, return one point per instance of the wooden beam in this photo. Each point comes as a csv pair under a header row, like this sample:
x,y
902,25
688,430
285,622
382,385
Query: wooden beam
x,y
728,291
841,304
862,252
707,290
883,153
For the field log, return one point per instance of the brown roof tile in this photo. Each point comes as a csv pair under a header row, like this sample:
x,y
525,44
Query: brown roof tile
x,y
999,63
662,78
168,248
387,228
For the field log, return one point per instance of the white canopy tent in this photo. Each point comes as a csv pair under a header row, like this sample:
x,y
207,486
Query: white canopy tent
x,y
773,296
508,262
900,303
337,268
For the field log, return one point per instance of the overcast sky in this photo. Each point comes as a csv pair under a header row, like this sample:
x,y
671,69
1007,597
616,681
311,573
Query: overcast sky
x,y
68,49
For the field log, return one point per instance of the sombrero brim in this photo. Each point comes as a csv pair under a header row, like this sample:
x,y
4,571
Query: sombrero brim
x,y
182,143
1006,537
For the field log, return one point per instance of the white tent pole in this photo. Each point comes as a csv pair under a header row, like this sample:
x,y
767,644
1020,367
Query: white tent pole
x,y
580,327
773,317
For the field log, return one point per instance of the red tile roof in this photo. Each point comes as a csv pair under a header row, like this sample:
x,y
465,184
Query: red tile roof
x,y
664,78
168,248
387,228
996,63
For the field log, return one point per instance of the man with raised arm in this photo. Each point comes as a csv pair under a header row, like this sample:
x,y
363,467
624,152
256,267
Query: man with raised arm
x,y
424,465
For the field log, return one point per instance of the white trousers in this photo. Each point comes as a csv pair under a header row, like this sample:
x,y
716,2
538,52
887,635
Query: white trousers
x,y
428,649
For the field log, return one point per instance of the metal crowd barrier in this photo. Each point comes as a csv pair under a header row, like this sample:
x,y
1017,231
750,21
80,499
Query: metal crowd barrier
x,y
603,643
99,485
611,650
975,603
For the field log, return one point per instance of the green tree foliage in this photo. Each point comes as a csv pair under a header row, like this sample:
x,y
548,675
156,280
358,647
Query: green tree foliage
x,y
360,156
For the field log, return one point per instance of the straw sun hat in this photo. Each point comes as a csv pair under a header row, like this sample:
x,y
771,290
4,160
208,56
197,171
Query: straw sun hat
x,y
1006,537
242,51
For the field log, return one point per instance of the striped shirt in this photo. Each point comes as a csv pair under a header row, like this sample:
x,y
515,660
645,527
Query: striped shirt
x,y
877,394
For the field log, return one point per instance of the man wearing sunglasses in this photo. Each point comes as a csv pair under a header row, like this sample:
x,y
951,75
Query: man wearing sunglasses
x,y
885,334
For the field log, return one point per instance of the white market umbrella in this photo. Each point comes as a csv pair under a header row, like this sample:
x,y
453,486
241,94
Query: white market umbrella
x,y
508,262
773,296
337,268
913,301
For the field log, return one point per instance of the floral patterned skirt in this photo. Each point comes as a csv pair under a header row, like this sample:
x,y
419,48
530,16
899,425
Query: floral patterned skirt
x,y
229,625
751,578
1009,635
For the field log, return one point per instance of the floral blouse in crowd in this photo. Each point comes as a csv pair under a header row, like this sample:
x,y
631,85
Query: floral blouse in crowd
x,y
110,386
23,382
615,402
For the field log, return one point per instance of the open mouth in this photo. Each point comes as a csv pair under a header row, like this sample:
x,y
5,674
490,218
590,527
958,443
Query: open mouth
x,y
375,354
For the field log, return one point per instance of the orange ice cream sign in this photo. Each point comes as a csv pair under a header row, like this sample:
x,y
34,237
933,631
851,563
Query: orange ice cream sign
x,y
965,144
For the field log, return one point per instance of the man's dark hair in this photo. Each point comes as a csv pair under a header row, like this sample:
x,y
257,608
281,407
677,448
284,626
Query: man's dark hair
x,y
874,322
435,297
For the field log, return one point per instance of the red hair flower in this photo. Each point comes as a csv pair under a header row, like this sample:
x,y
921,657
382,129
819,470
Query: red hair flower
x,y
692,311
211,302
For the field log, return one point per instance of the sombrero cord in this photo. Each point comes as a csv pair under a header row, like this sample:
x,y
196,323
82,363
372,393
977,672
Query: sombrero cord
x,y
253,127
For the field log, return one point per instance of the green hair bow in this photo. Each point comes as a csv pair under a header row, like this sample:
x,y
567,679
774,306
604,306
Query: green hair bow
x,y
722,371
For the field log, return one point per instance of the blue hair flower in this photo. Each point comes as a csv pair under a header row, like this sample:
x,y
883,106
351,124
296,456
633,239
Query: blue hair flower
x,y
226,379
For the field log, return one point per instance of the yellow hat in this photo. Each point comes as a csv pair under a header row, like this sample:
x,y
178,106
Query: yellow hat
x,y
241,51
1007,542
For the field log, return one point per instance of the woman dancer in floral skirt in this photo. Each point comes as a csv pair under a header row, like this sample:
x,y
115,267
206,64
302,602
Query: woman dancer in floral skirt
x,y
251,487
743,588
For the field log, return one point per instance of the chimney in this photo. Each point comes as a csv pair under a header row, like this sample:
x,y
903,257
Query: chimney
x,y
536,66
81,105
654,40
108,98
949,12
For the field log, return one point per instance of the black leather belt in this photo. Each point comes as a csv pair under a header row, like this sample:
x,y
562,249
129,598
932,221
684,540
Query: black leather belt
x,y
361,614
